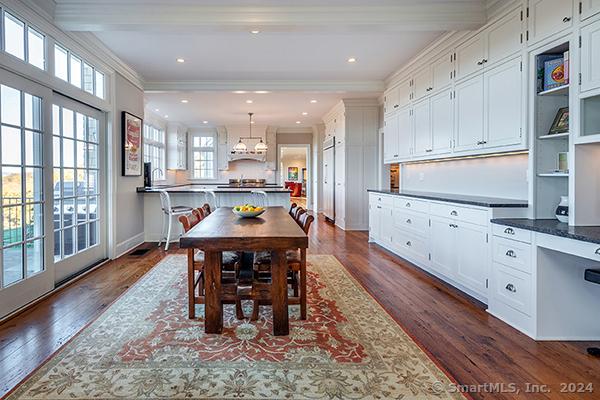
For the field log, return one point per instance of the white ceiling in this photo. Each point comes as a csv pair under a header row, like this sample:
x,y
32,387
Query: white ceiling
x,y
226,108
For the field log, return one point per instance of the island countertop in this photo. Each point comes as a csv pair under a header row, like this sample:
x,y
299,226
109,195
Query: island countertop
x,y
216,188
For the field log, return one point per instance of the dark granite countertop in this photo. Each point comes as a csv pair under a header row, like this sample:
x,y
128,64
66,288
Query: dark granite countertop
x,y
482,201
553,227
197,188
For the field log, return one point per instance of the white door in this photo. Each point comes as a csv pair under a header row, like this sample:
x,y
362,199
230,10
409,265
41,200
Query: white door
x,y
442,72
442,122
422,127
504,38
589,8
26,266
443,246
405,131
422,83
79,186
469,114
547,17
470,56
472,256
390,138
590,56
503,97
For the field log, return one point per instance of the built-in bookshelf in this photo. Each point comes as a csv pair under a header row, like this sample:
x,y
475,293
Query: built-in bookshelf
x,y
551,101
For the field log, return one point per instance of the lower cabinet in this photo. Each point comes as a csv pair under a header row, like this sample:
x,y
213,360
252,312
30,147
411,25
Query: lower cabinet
x,y
472,249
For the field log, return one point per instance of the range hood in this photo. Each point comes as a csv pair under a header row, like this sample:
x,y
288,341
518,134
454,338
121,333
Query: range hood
x,y
260,157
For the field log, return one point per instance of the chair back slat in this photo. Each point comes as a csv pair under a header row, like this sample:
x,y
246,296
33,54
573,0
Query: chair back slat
x,y
165,201
190,220
293,209
306,221
206,209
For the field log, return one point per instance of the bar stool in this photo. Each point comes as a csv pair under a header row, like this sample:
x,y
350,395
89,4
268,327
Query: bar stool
x,y
211,199
260,198
169,211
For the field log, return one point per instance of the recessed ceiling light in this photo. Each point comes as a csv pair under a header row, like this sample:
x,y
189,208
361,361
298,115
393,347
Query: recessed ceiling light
x,y
298,122
180,60
166,116
249,101
184,101
304,113
252,122
254,31
261,91
352,60
156,109
205,122
240,92
313,101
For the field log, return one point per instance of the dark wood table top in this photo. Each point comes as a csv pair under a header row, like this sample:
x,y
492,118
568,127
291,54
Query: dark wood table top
x,y
223,230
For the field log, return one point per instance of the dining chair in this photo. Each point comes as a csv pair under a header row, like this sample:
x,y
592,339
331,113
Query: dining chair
x,y
206,209
230,266
293,207
169,211
299,212
296,260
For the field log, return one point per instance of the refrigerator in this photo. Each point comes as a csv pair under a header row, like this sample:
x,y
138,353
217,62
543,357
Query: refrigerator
x,y
329,178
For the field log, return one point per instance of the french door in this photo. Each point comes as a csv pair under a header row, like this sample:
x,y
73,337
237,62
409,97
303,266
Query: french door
x,y
53,183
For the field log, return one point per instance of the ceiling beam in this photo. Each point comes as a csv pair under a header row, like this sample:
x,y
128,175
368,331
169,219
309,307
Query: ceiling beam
x,y
292,85
181,15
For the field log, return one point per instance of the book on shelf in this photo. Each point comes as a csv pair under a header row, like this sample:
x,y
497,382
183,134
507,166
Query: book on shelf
x,y
541,61
554,73
566,66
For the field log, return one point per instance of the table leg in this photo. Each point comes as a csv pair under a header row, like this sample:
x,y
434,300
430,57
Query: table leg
x,y
213,307
279,293
303,284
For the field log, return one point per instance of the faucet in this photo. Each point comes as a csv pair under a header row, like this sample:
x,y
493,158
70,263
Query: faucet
x,y
154,170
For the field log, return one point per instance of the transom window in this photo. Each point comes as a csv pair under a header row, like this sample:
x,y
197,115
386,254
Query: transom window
x,y
22,206
203,156
73,69
154,151
76,181
23,41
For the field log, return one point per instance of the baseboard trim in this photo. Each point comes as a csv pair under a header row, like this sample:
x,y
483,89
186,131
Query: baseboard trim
x,y
127,245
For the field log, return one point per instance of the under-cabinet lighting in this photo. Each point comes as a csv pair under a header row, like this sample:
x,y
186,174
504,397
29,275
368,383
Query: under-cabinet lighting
x,y
510,153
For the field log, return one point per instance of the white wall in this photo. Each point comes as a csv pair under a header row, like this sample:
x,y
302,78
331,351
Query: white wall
x,y
129,207
504,177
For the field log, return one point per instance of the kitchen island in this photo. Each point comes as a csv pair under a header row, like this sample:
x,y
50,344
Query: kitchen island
x,y
195,195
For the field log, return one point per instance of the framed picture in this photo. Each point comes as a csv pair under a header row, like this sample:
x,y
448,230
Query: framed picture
x,y
131,153
561,122
292,173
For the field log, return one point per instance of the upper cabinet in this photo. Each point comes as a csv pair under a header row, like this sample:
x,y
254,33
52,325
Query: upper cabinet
x,y
590,57
589,8
176,147
547,17
422,83
469,114
398,96
470,57
442,71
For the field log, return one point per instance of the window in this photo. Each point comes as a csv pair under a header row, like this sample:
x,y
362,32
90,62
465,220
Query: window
x,y
22,186
154,151
72,69
30,49
76,182
203,156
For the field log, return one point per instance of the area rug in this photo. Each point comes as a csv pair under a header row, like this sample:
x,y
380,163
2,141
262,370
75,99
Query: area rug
x,y
144,347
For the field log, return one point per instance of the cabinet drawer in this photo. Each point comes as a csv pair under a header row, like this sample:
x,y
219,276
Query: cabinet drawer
x,y
512,253
411,221
471,215
511,233
412,246
411,204
512,288
382,199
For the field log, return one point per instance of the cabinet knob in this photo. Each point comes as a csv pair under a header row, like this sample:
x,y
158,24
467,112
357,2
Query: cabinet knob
x,y
484,61
396,105
408,205
428,150
511,231
479,63
566,19
378,206
409,221
409,243
395,155
454,213
511,288
511,254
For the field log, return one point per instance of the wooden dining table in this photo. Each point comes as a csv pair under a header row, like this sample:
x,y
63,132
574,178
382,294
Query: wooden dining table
x,y
275,231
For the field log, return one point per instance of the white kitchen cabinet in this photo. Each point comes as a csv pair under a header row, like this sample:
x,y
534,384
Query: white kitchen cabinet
x,y
422,83
176,147
590,57
405,130
443,246
374,219
339,129
469,118
390,100
386,215
589,8
422,128
442,70
391,139
504,38
504,105
470,56
547,17
442,122
397,97
472,255
405,93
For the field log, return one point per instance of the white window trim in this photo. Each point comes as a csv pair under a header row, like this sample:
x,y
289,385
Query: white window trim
x,y
160,145
213,149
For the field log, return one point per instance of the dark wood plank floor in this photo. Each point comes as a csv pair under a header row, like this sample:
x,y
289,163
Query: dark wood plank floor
x,y
474,347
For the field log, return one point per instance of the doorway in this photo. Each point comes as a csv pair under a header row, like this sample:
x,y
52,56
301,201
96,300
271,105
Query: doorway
x,y
294,172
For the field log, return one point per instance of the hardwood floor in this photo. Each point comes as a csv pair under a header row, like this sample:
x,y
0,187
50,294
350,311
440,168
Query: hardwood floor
x,y
474,347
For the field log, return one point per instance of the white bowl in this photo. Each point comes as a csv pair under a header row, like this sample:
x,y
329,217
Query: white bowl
x,y
248,214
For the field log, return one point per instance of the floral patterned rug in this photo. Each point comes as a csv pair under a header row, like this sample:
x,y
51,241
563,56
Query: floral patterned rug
x,y
144,347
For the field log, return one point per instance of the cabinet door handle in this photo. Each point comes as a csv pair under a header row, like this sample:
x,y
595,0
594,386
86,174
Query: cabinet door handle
x,y
409,244
566,19
395,155
379,199
453,226
409,221
454,213
511,231
484,61
511,254
396,106
428,150
511,288
598,252
378,206
408,205
479,63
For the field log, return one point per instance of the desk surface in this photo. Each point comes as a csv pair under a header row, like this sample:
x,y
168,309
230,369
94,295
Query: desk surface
x,y
553,227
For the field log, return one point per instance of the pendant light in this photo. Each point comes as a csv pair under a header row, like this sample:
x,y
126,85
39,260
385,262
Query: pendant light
x,y
240,146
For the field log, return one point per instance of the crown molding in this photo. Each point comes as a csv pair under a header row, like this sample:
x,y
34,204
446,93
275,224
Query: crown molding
x,y
180,14
291,85
291,129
